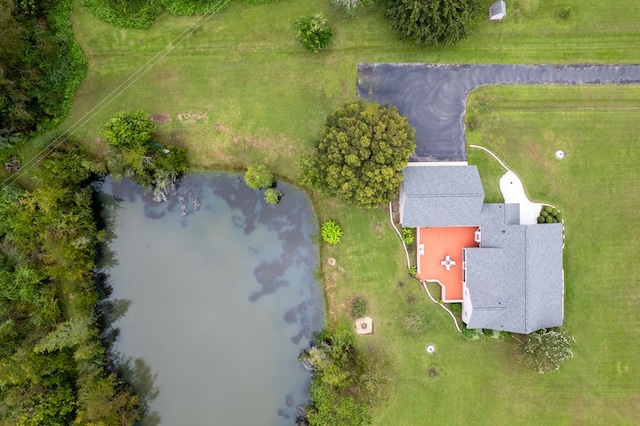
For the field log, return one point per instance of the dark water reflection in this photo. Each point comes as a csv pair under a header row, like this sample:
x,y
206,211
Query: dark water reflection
x,y
222,299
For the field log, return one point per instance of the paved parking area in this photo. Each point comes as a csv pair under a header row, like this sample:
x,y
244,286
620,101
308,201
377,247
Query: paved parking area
x,y
433,96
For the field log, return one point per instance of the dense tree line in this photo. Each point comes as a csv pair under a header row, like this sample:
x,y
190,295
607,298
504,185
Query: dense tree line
x,y
52,358
40,66
55,364
142,13
345,382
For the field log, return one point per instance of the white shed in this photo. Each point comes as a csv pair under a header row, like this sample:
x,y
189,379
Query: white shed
x,y
497,11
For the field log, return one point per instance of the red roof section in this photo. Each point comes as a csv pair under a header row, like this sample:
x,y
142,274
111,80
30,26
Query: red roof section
x,y
438,243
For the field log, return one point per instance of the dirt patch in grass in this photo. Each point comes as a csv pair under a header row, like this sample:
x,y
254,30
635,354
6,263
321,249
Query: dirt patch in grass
x,y
160,117
192,117
378,229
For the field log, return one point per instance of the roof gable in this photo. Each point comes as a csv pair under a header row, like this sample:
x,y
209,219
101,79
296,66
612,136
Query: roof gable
x,y
517,285
545,277
440,196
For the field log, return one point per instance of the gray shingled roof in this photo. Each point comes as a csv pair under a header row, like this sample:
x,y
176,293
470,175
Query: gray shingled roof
x,y
498,7
518,286
545,277
515,279
440,196
496,282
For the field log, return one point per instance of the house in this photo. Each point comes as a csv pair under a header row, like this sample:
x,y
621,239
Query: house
x,y
507,275
497,11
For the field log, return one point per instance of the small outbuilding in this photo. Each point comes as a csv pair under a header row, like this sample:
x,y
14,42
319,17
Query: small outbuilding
x,y
498,11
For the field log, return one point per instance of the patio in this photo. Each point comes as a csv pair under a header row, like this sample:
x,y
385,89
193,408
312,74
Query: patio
x,y
440,257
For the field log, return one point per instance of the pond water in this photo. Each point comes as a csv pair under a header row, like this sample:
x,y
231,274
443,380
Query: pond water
x,y
222,300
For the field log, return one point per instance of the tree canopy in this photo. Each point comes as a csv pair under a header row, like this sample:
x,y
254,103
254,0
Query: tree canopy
x,y
134,154
52,361
433,22
546,350
258,176
128,129
40,66
363,149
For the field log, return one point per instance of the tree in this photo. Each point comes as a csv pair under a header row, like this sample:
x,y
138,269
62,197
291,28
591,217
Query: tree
x,y
545,350
363,149
313,33
258,177
128,129
135,155
433,22
272,195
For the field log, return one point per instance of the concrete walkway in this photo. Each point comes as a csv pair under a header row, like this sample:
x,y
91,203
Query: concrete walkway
x,y
433,96
513,192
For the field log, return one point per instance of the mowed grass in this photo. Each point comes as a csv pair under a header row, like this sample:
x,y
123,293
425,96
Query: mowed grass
x,y
244,71
597,187
240,90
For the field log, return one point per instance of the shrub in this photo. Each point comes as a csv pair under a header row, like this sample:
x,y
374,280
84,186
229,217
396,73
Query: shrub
x,y
548,209
456,308
258,177
413,270
127,129
313,33
272,195
546,350
193,7
407,235
126,14
471,333
358,307
565,12
331,232
544,213
549,219
541,219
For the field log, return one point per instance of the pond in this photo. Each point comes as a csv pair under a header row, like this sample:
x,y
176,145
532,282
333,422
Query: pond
x,y
222,299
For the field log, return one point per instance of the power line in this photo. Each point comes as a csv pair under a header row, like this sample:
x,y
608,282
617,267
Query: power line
x,y
47,150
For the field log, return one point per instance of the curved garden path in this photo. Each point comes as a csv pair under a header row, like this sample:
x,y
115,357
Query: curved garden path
x,y
433,96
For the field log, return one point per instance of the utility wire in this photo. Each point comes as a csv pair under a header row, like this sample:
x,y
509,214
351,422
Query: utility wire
x,y
47,150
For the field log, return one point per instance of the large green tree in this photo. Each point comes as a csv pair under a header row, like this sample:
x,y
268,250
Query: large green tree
x,y
432,22
363,149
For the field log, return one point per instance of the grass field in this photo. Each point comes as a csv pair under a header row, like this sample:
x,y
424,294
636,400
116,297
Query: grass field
x,y
240,90
597,186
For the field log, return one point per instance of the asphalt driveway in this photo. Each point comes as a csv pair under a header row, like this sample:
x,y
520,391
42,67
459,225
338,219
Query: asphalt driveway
x,y
433,96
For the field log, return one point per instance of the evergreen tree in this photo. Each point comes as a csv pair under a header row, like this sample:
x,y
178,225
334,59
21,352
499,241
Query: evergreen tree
x,y
432,22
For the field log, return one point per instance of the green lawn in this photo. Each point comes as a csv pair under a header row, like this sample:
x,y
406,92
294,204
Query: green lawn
x,y
247,92
597,186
